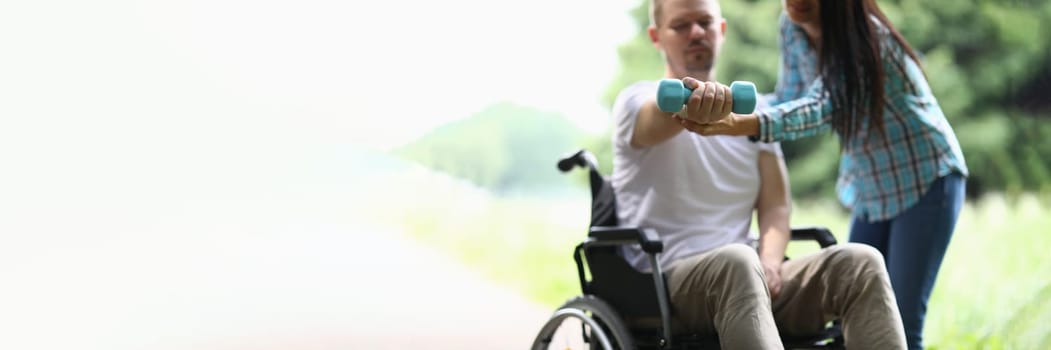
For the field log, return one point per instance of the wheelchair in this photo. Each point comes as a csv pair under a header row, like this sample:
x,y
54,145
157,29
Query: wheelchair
x,y
622,308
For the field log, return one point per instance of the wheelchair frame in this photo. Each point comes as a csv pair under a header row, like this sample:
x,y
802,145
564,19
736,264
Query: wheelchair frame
x,y
617,290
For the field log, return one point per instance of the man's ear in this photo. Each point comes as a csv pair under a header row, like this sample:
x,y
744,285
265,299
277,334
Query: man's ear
x,y
722,27
652,31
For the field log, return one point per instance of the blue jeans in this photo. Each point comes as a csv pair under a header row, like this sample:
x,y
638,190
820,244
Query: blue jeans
x,y
913,245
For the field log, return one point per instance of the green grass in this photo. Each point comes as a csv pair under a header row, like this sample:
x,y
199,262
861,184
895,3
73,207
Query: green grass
x,y
994,288
993,291
522,242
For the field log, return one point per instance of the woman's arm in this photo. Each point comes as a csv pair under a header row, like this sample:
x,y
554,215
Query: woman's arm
x,y
799,106
803,117
798,63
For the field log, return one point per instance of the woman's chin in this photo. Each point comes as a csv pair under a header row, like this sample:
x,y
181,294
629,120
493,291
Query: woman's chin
x,y
801,18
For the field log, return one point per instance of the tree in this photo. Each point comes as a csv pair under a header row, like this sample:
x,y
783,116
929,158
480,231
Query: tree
x,y
504,148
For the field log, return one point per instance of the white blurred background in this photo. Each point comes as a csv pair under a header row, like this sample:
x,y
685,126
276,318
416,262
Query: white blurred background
x,y
181,174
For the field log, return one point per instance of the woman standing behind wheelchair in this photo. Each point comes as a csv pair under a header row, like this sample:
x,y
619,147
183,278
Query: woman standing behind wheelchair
x,y
845,68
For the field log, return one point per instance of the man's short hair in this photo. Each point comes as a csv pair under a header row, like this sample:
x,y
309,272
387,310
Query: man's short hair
x,y
655,11
656,5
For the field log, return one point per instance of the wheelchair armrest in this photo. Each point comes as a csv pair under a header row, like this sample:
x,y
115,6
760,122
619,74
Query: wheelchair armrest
x,y
822,235
613,235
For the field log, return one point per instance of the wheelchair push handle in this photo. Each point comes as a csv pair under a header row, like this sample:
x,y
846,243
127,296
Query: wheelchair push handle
x,y
821,235
672,95
581,158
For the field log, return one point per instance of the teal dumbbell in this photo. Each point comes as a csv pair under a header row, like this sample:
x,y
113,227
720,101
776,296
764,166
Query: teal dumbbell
x,y
671,95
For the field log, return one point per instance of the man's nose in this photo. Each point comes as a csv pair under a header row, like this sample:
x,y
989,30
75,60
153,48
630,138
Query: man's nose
x,y
697,30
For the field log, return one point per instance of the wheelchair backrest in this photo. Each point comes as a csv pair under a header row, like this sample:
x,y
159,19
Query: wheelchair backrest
x,y
629,291
603,201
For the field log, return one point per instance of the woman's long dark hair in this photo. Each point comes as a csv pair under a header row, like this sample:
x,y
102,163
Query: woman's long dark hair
x,y
850,62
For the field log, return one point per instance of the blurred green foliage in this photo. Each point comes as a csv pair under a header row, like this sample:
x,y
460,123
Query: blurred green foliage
x,y
989,64
505,148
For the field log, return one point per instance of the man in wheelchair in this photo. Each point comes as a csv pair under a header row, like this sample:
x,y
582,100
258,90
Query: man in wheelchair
x,y
699,194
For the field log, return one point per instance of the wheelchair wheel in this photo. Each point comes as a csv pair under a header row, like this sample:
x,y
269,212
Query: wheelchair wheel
x,y
603,327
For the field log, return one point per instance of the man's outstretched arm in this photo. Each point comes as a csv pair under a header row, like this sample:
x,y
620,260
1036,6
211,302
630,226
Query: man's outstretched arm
x,y
653,126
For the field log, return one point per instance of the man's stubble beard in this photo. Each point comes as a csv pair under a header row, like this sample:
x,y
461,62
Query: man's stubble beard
x,y
702,67
700,70
703,71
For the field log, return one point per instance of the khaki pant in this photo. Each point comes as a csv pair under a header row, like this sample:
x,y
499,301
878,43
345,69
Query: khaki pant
x,y
723,291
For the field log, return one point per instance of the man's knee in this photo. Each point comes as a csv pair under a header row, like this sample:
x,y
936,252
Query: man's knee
x,y
738,257
866,259
725,266
861,254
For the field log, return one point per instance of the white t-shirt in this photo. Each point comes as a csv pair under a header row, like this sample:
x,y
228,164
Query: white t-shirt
x,y
697,192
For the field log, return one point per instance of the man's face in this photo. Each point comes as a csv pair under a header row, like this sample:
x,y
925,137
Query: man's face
x,y
690,33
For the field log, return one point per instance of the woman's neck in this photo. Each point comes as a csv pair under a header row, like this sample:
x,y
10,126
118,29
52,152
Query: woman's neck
x,y
813,32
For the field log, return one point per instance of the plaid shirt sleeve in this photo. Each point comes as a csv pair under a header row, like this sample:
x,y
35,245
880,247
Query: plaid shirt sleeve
x,y
790,75
800,106
799,118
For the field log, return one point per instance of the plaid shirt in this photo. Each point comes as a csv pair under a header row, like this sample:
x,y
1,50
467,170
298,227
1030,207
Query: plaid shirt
x,y
879,175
